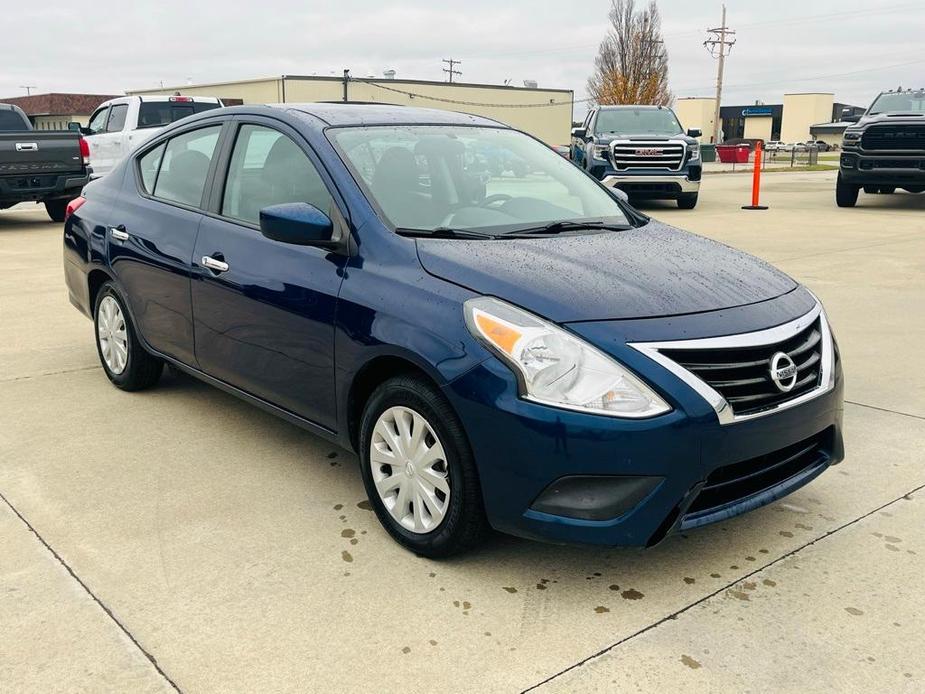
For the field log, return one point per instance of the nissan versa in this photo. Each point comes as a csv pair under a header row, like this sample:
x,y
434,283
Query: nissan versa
x,y
520,350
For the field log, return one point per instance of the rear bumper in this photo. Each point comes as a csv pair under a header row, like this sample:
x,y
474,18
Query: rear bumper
x,y
522,448
42,187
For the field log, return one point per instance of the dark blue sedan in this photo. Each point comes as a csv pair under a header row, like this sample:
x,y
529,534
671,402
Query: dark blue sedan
x,y
517,349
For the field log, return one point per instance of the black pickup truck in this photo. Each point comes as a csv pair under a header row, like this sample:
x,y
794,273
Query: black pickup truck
x,y
885,149
46,166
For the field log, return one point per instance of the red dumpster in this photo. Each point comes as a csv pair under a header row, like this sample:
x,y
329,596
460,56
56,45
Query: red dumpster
x,y
733,154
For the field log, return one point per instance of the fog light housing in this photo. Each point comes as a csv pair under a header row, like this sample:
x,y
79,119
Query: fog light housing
x,y
594,497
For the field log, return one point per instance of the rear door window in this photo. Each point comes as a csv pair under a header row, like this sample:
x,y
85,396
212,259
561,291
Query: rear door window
x,y
117,118
185,166
148,165
156,114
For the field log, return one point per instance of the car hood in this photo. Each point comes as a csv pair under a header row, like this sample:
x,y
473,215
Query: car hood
x,y
650,271
896,118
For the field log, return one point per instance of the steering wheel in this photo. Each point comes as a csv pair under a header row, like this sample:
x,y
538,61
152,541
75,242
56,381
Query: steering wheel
x,y
492,199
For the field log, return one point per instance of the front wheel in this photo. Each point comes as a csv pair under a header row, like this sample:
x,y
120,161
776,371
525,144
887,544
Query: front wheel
x,y
124,360
688,201
418,469
56,209
846,195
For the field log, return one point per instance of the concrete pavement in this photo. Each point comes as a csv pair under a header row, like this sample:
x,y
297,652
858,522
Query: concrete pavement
x,y
181,538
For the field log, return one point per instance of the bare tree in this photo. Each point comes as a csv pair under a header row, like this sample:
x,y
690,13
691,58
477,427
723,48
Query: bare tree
x,y
632,65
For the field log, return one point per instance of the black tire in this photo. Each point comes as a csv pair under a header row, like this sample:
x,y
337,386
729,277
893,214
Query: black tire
x,y
887,190
56,209
141,369
464,523
846,195
688,201
871,190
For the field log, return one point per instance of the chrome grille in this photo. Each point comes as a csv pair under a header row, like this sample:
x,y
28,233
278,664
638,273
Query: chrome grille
x,y
742,375
647,154
894,137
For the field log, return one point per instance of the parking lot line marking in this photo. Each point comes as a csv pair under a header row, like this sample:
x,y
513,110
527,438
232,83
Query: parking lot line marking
x,y
884,409
674,615
92,595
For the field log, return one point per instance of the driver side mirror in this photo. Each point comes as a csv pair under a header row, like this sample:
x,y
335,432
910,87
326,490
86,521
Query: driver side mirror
x,y
580,133
848,116
298,223
619,194
694,132
74,126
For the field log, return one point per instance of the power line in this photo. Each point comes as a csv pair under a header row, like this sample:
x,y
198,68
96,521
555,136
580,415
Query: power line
x,y
719,46
451,71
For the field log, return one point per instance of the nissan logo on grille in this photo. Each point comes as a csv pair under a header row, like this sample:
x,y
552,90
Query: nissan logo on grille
x,y
649,152
783,372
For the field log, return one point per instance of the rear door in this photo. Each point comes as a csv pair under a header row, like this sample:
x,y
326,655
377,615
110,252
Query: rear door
x,y
154,232
265,323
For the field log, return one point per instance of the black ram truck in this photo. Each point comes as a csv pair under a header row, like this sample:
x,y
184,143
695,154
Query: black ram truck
x,y
885,149
48,166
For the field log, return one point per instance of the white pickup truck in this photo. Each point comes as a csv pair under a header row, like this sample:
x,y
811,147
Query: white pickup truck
x,y
120,125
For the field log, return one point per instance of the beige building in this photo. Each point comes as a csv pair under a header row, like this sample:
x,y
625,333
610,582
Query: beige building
x,y
697,112
544,113
802,111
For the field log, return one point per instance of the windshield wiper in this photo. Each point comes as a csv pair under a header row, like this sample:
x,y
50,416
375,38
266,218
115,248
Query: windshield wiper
x,y
444,233
563,226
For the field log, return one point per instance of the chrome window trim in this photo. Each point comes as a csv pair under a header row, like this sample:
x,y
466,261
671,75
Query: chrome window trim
x,y
769,336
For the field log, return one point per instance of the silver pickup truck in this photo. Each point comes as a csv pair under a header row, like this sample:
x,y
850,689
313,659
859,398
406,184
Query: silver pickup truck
x,y
45,166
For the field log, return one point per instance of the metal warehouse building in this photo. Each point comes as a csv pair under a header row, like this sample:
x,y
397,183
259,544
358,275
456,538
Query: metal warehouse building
x,y
544,113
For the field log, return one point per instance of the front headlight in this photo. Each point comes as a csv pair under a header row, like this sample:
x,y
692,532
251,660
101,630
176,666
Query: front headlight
x,y
556,368
695,151
851,137
600,151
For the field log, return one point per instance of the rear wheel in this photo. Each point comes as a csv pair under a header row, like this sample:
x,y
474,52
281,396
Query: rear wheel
x,y
124,360
688,201
846,195
56,209
418,469
887,190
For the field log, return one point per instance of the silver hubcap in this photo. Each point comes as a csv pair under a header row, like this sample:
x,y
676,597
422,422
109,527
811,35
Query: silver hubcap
x,y
110,327
409,469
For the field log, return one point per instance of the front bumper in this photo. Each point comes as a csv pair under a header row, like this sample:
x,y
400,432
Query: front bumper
x,y
652,185
882,169
521,448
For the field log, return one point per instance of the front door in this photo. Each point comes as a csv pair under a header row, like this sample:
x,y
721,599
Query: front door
x,y
151,242
264,310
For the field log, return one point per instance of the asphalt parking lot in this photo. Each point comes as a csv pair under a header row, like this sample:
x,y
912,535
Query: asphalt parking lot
x,y
181,539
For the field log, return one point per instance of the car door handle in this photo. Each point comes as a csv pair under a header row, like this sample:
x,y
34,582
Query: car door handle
x,y
214,264
118,233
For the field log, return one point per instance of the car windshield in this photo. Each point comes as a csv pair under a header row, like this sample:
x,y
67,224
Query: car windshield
x,y
496,180
899,102
637,121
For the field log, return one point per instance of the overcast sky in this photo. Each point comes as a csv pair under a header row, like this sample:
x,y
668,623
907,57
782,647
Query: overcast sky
x,y
850,47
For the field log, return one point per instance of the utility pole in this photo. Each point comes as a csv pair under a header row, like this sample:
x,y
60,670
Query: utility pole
x,y
719,45
346,79
451,71
28,88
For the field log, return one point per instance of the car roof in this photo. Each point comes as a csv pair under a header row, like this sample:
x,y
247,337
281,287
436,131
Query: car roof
x,y
642,107
342,114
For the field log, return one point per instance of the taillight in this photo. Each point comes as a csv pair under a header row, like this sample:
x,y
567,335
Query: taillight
x,y
182,99
73,206
84,151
